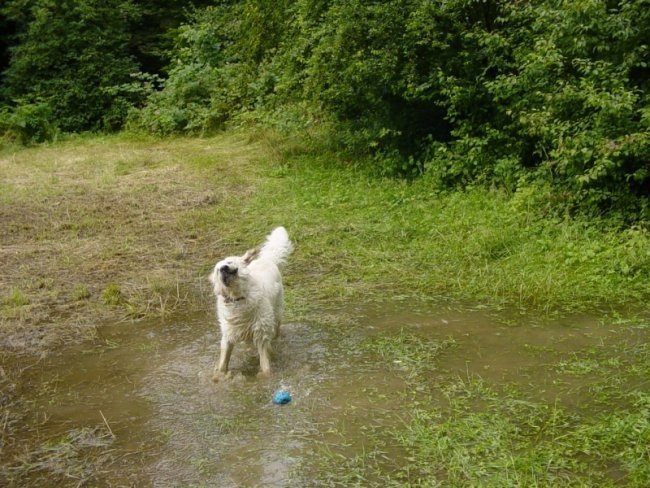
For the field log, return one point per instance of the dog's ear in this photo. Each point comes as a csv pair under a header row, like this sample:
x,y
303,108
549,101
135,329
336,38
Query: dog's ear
x,y
250,255
213,276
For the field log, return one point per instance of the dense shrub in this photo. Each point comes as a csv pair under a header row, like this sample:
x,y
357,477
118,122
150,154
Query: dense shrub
x,y
510,93
82,58
546,93
69,53
569,90
28,122
220,68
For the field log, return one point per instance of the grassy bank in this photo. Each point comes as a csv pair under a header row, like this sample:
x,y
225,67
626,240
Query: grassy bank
x,y
95,229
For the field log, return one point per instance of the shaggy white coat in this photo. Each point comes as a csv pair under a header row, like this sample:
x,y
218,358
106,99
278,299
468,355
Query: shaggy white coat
x,y
249,297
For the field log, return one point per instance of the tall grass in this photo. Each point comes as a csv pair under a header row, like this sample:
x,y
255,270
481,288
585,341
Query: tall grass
x,y
364,237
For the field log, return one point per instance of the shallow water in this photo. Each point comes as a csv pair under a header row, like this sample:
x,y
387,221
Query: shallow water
x,y
137,406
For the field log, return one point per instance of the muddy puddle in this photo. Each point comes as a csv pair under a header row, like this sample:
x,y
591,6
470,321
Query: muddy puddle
x,y
137,406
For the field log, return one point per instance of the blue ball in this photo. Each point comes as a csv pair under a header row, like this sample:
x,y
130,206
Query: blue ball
x,y
281,397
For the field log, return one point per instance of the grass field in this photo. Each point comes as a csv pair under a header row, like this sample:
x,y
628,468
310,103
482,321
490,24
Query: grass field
x,y
98,230
120,227
101,229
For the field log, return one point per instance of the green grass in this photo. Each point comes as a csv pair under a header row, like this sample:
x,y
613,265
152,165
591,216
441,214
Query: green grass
x,y
79,455
363,237
151,217
511,442
15,298
14,305
408,352
459,431
112,295
80,292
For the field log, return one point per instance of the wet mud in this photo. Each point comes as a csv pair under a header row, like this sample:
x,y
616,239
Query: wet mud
x,y
137,407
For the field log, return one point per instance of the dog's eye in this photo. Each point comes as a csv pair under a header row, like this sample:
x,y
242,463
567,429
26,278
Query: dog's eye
x,y
225,269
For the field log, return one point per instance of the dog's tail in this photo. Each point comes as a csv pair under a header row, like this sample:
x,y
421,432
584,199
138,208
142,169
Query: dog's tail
x,y
277,246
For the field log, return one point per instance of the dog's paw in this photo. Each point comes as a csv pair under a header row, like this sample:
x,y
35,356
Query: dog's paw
x,y
221,376
263,374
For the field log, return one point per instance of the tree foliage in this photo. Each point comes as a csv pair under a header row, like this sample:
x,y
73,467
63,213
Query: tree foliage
x,y
221,67
83,62
68,54
545,98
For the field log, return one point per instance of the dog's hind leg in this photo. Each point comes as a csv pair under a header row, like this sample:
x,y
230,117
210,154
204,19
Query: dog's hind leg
x,y
221,369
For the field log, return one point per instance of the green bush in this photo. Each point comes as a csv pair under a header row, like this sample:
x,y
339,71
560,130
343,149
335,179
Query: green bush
x,y
219,71
28,122
544,98
67,56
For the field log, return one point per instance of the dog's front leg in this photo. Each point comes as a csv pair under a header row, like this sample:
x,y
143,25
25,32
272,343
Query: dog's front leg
x,y
221,370
264,349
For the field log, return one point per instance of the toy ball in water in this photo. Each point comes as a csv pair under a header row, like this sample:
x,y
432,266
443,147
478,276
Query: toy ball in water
x,y
281,397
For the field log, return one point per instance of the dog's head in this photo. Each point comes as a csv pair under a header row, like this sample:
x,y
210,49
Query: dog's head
x,y
230,275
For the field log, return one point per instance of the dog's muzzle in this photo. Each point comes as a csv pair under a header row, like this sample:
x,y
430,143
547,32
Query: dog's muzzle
x,y
227,274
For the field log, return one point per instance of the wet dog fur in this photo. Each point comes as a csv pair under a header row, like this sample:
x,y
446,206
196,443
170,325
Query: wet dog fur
x,y
249,295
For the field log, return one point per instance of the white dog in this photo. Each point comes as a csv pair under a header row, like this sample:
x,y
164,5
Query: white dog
x,y
250,299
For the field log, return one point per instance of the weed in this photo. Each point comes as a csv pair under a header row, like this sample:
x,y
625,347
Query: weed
x,y
15,298
407,352
78,455
230,425
112,295
80,292
14,305
202,465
